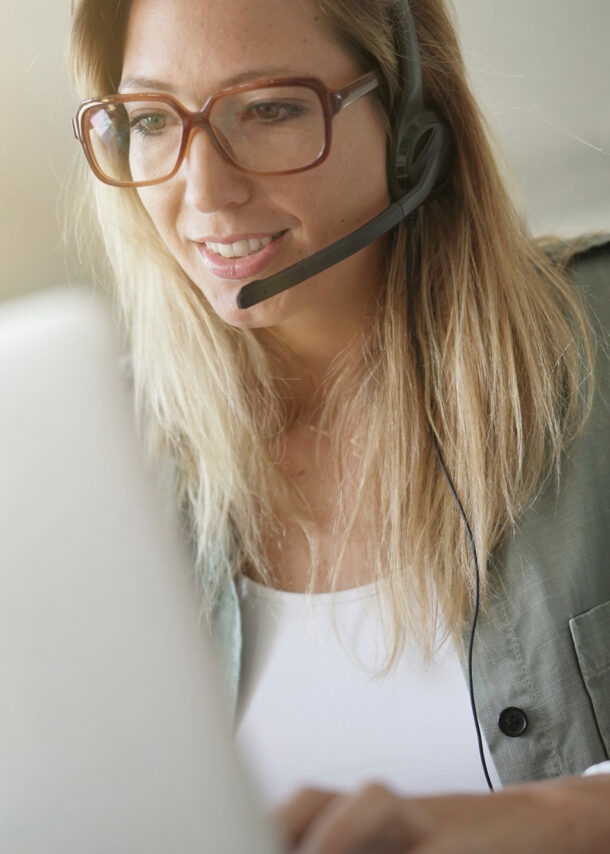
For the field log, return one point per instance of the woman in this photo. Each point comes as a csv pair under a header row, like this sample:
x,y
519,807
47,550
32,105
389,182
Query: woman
x,y
399,426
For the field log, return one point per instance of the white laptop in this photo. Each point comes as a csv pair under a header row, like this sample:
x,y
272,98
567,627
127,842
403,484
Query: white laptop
x,y
113,738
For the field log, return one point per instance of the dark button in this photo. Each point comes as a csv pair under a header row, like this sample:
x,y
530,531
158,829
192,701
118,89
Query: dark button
x,y
513,722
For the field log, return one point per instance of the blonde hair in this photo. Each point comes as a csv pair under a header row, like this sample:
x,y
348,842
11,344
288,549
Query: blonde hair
x,y
504,357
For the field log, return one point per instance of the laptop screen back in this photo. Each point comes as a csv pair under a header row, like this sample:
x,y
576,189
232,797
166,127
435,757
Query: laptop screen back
x,y
113,737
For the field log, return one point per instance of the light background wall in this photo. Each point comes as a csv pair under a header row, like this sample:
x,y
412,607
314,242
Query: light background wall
x,y
540,67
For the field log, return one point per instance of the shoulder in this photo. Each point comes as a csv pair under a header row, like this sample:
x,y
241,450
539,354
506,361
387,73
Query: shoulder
x,y
582,248
587,256
588,265
592,247
590,270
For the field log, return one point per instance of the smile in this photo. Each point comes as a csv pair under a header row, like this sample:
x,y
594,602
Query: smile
x,y
245,258
239,249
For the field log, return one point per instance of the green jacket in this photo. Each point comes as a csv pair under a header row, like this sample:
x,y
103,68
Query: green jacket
x,y
542,648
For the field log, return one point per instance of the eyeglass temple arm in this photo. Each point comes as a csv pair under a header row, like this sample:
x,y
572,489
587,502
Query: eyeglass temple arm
x,y
364,85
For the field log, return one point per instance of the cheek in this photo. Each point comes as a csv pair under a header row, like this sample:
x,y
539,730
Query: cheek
x,y
359,158
162,208
351,186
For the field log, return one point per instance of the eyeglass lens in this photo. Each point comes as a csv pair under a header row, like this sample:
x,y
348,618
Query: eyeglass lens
x,y
272,129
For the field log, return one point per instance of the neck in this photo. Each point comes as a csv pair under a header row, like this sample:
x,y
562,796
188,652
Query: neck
x,y
307,361
332,312
308,346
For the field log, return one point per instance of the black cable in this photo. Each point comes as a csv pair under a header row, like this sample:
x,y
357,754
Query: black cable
x,y
411,222
475,611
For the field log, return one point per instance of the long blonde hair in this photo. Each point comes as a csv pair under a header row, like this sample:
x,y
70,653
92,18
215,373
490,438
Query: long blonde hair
x,y
504,356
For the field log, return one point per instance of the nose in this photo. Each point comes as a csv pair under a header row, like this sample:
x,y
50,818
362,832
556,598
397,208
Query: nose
x,y
211,182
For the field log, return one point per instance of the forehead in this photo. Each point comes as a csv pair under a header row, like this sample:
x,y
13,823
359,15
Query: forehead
x,y
194,47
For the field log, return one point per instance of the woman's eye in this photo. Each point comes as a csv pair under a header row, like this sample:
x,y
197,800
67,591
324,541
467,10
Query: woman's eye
x,y
273,111
149,123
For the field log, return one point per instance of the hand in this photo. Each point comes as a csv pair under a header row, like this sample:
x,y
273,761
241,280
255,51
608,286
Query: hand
x,y
569,816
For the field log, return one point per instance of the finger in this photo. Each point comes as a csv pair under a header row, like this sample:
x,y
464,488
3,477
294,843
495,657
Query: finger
x,y
296,814
373,820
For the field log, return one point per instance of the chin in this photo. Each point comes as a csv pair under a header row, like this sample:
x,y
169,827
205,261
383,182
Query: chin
x,y
267,313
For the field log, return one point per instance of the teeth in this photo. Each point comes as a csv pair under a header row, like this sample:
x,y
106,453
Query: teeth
x,y
241,248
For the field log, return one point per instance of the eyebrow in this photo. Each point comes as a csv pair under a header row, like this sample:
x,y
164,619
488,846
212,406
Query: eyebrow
x,y
151,84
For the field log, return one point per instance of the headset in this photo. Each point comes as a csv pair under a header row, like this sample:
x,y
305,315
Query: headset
x,y
418,159
419,155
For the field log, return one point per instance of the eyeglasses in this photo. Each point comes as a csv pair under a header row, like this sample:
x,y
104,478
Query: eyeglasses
x,y
270,127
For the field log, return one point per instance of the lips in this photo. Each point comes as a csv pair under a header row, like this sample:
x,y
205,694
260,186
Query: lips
x,y
244,257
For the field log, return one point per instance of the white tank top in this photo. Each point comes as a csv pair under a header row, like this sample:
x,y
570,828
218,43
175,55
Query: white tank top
x,y
311,710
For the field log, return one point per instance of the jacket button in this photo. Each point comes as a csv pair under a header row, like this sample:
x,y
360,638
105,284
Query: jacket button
x,y
513,722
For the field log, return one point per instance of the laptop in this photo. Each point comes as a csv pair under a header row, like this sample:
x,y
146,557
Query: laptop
x,y
113,736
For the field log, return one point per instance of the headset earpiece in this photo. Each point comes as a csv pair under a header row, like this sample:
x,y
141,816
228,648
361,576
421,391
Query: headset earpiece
x,y
420,140
425,144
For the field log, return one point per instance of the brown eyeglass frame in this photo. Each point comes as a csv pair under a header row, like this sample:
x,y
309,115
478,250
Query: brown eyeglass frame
x,y
332,100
